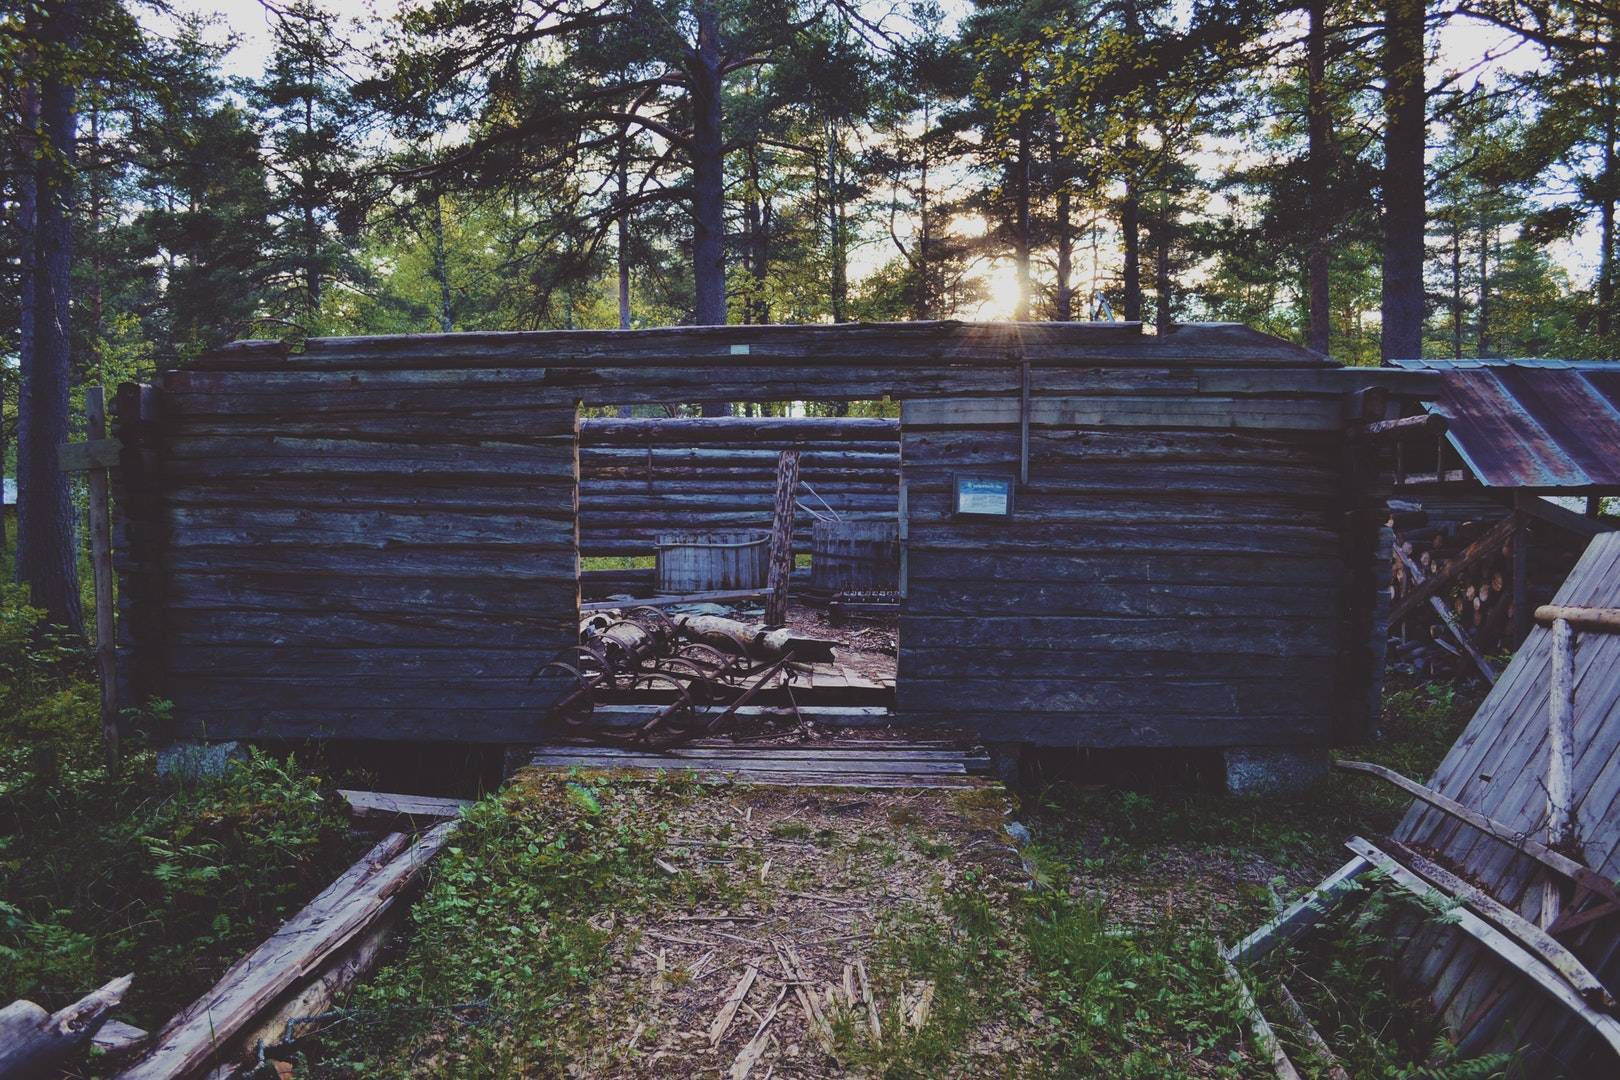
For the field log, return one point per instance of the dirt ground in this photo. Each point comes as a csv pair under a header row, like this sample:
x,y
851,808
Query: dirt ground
x,y
868,647
819,884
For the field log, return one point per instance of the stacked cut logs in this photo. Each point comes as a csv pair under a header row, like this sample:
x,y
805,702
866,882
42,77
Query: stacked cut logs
x,y
1480,600
638,478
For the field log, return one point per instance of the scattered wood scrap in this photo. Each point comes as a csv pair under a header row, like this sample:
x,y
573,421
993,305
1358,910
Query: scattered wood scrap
x,y
34,1042
383,808
755,1047
734,1000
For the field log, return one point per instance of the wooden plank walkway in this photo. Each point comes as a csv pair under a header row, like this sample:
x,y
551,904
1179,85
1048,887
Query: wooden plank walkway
x,y
852,763
1498,767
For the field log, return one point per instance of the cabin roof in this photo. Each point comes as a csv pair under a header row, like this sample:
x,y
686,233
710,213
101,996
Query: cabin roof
x,y
925,343
1531,423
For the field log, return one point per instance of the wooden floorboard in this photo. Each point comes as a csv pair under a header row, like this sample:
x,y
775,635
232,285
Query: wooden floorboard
x,y
849,764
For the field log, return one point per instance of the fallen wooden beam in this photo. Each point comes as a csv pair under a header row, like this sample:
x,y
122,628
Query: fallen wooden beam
x,y
34,1042
1527,963
1299,916
300,1013
379,807
1581,875
1265,1038
1505,918
204,1033
1600,620
1313,1038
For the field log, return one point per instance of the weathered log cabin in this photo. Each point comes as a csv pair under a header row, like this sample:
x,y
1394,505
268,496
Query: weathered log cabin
x,y
1110,538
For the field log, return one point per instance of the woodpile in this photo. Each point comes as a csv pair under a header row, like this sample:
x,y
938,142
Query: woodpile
x,y
1454,592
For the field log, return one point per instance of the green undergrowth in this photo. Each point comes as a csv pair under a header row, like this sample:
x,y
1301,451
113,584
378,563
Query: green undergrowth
x,y
1345,978
1065,994
518,920
1195,852
1126,826
103,875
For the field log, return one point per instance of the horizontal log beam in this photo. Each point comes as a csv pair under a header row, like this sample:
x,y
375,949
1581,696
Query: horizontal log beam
x,y
1601,620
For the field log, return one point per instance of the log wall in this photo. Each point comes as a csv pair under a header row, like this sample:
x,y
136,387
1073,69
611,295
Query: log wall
x,y
1158,584
336,566
378,537
639,478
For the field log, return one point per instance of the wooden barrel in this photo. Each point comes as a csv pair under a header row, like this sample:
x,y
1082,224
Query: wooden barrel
x,y
855,556
712,561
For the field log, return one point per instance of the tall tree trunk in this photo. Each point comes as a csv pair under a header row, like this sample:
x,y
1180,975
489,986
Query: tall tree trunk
x,y
708,182
47,554
837,242
1484,334
1605,282
441,268
1022,241
311,183
1456,285
1320,329
756,219
624,231
708,173
924,306
95,307
1405,128
1065,255
1130,227
1161,269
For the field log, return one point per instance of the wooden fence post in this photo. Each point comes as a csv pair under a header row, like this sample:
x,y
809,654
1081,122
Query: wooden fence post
x,y
781,566
94,458
1560,755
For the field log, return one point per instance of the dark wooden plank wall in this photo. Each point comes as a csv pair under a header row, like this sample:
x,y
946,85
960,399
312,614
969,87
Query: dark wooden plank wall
x,y
1181,584
363,565
377,537
639,478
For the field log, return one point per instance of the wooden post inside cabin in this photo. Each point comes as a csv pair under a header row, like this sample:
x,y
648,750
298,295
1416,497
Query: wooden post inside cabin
x,y
781,565
1521,579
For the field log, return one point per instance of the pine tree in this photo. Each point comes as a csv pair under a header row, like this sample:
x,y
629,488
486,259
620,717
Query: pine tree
x,y
311,123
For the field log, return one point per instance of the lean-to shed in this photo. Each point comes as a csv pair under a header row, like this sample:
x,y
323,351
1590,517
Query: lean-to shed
x,y
1496,501
1110,538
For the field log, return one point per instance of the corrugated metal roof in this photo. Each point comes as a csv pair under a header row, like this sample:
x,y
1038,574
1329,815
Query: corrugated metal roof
x,y
1532,423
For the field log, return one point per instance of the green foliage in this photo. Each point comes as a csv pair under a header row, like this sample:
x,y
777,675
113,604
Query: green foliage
x,y
509,935
1345,975
102,875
